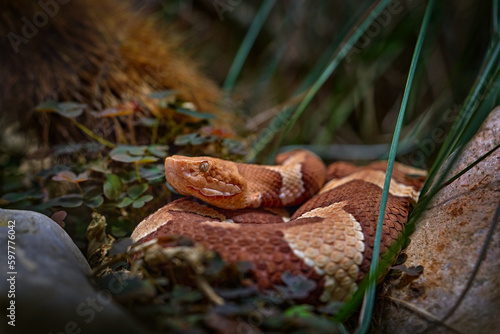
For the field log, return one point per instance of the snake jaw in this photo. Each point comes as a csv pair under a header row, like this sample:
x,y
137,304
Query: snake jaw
x,y
212,192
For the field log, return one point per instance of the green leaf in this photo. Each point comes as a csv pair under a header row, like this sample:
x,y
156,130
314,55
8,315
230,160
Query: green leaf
x,y
120,149
126,287
136,150
160,95
302,311
69,176
129,150
126,201
172,189
66,175
148,122
141,201
98,166
113,186
49,105
296,286
158,150
129,158
185,294
66,109
153,173
118,232
52,170
192,113
137,190
185,139
127,176
66,148
20,196
129,153
68,201
125,158
146,159
94,202
193,139
71,109
158,179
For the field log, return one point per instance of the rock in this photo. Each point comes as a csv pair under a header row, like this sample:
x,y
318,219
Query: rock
x,y
447,243
47,288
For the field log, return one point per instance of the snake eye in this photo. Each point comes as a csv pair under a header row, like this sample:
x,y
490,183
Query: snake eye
x,y
204,167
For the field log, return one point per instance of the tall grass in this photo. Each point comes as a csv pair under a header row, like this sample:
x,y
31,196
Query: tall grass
x,y
476,105
367,309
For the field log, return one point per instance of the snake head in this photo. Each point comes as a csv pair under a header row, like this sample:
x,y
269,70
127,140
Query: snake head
x,y
212,180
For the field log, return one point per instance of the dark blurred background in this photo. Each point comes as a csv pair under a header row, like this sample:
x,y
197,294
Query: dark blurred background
x,y
359,103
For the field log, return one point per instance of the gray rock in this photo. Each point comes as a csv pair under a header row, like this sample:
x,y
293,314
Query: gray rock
x,y
447,242
50,284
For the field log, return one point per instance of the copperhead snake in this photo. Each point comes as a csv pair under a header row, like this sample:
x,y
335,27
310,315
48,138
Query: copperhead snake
x,y
329,238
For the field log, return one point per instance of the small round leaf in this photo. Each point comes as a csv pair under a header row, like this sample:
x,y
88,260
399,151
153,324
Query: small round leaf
x,y
113,186
137,190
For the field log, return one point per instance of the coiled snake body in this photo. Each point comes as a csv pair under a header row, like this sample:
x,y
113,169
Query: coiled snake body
x,y
329,238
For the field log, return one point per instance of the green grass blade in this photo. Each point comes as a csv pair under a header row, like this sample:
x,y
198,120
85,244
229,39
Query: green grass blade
x,y
267,135
345,106
344,51
309,80
247,44
281,47
288,116
487,103
460,133
322,62
483,108
342,329
496,12
466,169
456,136
369,301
